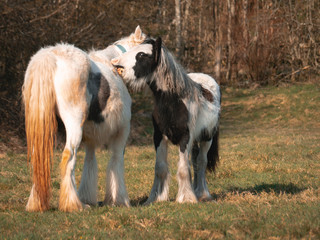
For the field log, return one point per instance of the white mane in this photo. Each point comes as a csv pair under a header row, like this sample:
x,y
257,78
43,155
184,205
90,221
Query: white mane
x,y
170,76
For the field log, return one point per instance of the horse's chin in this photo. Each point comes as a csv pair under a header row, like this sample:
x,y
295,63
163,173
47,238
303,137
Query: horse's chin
x,y
137,85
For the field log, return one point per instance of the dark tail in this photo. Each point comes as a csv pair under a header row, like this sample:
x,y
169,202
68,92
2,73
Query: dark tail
x,y
213,153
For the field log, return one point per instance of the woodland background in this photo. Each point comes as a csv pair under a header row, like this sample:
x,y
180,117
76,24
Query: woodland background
x,y
245,43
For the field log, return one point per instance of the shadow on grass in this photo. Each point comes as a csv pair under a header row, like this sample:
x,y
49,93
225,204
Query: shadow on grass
x,y
138,201
256,190
265,187
134,202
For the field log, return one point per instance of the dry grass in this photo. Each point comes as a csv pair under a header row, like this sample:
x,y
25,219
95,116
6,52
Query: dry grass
x,y
266,185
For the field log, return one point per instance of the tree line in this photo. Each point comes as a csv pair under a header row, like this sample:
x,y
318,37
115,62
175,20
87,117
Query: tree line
x,y
249,41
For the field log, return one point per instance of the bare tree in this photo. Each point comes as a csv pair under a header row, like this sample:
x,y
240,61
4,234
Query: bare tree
x,y
231,12
200,31
217,38
162,11
245,23
178,28
186,19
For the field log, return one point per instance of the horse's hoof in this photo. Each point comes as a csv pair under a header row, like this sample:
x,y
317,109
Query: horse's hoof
x,y
86,206
205,198
123,203
147,203
187,199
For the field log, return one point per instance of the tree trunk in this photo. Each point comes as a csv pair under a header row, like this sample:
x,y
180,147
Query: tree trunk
x,y
200,31
229,39
162,11
178,29
185,19
245,23
217,38
184,29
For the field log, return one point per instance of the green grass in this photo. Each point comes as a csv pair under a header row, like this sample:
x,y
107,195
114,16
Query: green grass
x,y
266,186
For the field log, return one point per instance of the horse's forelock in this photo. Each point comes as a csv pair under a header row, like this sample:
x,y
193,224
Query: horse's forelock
x,y
149,40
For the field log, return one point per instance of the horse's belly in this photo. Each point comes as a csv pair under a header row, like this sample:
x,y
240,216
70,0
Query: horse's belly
x,y
96,134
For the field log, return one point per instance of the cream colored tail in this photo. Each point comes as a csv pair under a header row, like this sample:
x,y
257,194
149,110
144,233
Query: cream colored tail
x,y
41,125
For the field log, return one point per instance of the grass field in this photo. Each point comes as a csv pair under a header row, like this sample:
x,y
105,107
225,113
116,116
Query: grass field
x,y
266,186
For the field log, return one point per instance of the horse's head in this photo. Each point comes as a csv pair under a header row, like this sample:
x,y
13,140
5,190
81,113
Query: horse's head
x,y
138,63
132,40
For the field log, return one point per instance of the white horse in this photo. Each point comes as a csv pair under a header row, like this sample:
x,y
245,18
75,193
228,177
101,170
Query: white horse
x,y
186,112
95,107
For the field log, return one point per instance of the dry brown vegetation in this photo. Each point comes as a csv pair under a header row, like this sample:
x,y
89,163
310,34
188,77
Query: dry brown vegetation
x,y
241,43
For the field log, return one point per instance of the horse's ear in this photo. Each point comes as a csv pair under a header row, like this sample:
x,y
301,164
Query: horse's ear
x,y
157,49
138,33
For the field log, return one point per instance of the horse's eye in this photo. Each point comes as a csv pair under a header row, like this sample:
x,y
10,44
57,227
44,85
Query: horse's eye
x,y
141,55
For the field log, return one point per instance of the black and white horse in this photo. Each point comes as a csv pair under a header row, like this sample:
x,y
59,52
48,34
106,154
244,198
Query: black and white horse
x,y
186,112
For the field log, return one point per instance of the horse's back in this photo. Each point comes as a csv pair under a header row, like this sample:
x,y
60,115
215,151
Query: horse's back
x,y
205,80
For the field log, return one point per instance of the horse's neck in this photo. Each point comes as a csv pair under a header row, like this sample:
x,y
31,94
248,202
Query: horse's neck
x,y
104,56
165,96
186,86
153,86
107,54
110,52
160,95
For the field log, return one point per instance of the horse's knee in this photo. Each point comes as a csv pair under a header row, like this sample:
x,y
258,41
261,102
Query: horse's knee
x,y
74,137
183,173
161,170
183,167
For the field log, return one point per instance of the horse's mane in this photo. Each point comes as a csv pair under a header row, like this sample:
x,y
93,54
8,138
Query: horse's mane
x,y
105,55
170,76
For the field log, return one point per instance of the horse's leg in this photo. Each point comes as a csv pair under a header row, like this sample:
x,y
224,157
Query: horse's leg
x,y
194,155
116,192
160,188
201,188
69,200
89,180
185,192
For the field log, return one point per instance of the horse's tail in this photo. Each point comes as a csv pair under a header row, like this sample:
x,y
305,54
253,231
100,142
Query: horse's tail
x,y
213,153
40,124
